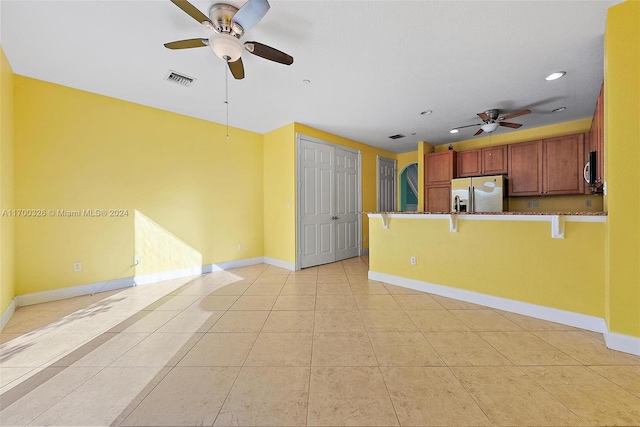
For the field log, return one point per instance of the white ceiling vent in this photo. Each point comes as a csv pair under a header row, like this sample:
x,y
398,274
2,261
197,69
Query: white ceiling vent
x,y
180,79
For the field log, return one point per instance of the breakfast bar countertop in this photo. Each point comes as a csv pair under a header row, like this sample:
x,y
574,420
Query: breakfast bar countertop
x,y
493,213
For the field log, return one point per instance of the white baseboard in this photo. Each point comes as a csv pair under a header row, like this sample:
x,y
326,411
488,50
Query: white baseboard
x,y
623,343
614,341
7,313
278,263
73,291
145,279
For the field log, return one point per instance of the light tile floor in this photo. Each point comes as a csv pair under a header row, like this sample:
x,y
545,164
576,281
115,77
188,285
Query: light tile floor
x,y
325,346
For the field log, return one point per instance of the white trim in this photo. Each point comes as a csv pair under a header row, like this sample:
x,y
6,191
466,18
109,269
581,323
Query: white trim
x,y
614,341
625,343
583,321
7,313
278,263
110,285
73,291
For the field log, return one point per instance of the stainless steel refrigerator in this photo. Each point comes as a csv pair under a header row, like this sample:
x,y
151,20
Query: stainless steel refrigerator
x,y
479,194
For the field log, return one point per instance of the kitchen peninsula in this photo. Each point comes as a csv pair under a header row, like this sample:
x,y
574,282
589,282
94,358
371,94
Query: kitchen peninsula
x,y
534,264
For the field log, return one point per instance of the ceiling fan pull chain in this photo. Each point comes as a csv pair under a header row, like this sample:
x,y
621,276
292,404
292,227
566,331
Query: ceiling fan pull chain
x,y
226,96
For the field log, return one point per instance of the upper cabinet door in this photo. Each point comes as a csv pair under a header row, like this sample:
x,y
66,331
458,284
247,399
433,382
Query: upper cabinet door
x,y
494,160
469,163
439,168
562,165
525,169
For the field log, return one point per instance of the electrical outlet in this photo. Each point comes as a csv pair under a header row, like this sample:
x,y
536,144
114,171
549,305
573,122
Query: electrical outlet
x,y
77,266
528,203
587,203
240,247
137,259
413,260
536,203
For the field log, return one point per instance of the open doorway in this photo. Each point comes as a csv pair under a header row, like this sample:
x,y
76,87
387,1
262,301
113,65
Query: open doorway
x,y
409,188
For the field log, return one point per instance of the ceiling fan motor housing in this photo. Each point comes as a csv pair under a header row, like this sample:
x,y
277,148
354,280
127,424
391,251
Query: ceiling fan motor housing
x,y
222,17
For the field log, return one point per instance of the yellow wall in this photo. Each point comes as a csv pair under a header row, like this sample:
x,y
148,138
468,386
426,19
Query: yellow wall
x,y
405,159
7,223
491,257
622,175
76,150
280,194
369,162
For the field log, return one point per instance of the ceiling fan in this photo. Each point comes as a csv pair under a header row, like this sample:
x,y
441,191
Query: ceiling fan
x,y
229,25
492,120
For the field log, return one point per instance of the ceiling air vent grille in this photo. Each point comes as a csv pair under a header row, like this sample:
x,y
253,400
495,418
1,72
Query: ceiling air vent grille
x,y
180,79
397,136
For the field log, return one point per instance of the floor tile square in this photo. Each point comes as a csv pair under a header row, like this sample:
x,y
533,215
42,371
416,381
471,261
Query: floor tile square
x,y
465,349
333,289
377,302
387,321
418,302
295,302
485,320
354,396
336,302
338,321
342,349
186,396
240,321
431,397
289,321
524,348
254,302
214,303
220,349
373,288
281,349
436,321
403,349
267,396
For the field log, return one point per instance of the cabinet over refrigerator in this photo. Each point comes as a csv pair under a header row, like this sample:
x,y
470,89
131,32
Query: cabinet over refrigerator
x,y
479,194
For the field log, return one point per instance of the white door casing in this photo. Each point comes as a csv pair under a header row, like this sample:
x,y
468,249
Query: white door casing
x,y
386,171
328,202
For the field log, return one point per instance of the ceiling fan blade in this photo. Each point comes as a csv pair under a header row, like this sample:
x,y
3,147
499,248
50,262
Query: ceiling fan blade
x,y
267,52
193,12
510,125
467,126
518,114
251,13
483,116
187,44
237,69
479,132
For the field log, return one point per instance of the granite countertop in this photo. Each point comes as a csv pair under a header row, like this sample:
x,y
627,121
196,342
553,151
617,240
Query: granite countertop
x,y
495,213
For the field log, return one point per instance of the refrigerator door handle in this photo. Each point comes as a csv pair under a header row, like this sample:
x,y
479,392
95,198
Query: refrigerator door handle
x,y
470,207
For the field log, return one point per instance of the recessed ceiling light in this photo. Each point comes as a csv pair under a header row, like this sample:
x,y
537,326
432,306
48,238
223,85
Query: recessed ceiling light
x,y
426,112
555,76
454,131
306,81
557,110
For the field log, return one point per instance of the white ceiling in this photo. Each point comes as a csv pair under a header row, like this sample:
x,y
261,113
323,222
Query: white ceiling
x,y
373,65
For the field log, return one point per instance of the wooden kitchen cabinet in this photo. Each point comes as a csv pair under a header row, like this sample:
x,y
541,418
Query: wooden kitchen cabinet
x,y
483,161
437,198
525,168
547,167
439,170
562,165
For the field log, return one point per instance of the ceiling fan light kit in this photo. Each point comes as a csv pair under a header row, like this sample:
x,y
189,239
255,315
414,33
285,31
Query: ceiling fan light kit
x,y
225,46
489,127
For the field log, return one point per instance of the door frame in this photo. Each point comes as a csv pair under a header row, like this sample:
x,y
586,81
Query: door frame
x,y
395,181
298,190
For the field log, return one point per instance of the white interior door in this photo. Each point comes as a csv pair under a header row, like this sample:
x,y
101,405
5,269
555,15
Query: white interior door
x,y
317,226
328,203
346,217
386,184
